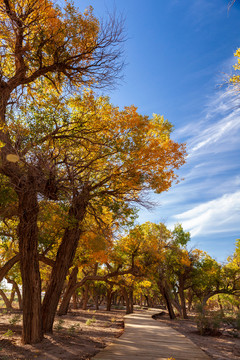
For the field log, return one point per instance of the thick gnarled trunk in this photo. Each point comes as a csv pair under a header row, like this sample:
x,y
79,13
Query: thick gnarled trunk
x,y
28,249
64,259
128,300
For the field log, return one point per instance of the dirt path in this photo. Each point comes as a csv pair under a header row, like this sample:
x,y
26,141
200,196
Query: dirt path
x,y
147,339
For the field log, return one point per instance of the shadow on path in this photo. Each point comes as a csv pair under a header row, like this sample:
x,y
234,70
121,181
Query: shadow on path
x,y
147,339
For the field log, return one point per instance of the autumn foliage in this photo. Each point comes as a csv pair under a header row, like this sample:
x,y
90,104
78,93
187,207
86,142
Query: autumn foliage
x,y
72,164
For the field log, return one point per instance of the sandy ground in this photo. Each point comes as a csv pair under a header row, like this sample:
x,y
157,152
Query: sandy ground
x,y
223,347
78,335
81,334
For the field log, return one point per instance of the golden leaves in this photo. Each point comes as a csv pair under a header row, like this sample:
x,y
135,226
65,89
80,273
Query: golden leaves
x,y
235,79
36,34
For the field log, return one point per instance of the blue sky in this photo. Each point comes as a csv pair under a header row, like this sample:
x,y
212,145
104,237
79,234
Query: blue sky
x,y
179,54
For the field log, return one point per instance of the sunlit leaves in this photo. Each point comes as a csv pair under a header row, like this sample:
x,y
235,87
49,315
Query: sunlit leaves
x,y
235,78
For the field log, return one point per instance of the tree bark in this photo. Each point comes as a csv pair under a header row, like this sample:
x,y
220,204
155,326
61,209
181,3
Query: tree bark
x,y
12,295
127,301
64,259
9,264
28,249
131,300
5,299
63,309
176,304
109,299
147,300
75,300
166,296
182,300
16,288
85,297
96,299
190,299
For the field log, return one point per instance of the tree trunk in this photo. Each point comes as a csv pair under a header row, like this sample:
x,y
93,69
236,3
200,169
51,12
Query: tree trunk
x,y
12,296
126,298
85,297
176,304
16,289
28,249
9,264
190,300
5,299
166,296
121,300
169,304
64,259
131,301
221,306
63,309
147,300
96,299
75,300
109,299
182,300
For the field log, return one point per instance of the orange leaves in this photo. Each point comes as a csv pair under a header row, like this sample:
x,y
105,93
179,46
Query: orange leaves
x,y
126,152
39,39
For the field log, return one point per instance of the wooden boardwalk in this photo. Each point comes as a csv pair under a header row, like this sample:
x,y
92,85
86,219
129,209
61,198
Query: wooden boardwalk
x,y
148,339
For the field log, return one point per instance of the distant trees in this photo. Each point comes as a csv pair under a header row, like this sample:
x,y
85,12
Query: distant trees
x,y
151,265
182,275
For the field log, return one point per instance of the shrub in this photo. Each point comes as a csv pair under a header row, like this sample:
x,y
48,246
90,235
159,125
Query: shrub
x,y
9,333
89,322
59,325
73,328
234,321
209,323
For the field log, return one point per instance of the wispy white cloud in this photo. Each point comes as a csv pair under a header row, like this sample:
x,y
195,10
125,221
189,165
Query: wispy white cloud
x,y
216,131
207,201
222,132
215,216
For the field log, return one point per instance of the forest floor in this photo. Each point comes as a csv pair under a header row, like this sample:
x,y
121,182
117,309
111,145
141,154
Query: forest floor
x,y
78,335
225,346
81,334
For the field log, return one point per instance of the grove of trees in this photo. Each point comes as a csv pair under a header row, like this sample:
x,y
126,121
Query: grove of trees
x,y
72,169
64,152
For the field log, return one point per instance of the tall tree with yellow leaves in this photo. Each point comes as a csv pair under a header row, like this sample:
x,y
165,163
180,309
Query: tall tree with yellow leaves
x,y
83,151
42,44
